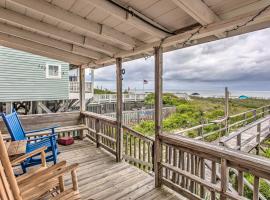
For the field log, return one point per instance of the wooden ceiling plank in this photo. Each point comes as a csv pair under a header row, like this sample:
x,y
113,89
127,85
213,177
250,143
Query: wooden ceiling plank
x,y
54,32
127,17
93,28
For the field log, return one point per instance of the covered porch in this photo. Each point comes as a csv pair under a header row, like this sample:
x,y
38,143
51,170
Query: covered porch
x,y
117,162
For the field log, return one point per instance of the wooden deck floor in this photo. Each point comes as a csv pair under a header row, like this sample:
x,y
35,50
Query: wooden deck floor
x,y
100,177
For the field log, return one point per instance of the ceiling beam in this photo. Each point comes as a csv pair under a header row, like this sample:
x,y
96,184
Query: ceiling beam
x,y
35,37
199,11
100,31
127,17
57,53
57,33
40,53
212,29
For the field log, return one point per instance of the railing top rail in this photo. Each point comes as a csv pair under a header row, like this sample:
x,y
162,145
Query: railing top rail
x,y
101,117
192,128
238,159
139,134
248,111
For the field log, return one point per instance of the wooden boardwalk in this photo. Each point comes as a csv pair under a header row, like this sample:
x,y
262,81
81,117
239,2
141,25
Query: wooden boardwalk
x,y
100,177
248,136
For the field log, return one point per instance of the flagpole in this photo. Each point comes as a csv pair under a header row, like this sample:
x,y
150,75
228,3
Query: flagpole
x,y
143,86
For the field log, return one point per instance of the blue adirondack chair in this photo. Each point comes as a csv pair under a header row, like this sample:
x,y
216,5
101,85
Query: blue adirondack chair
x,y
17,132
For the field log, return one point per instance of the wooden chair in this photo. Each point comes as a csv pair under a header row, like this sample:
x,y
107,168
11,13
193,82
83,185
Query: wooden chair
x,y
17,132
38,183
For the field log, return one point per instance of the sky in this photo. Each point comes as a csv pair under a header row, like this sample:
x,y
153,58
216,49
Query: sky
x,y
240,63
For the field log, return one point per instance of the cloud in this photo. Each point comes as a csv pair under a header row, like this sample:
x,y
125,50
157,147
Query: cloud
x,y
244,58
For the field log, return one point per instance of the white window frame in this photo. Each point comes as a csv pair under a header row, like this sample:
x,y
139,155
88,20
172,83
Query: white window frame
x,y
59,76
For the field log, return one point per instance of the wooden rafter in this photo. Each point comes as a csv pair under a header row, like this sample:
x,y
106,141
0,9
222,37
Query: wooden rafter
x,y
93,28
198,10
212,29
28,35
54,32
40,49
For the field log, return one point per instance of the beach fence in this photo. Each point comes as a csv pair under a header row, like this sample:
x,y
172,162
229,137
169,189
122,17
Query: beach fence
x,y
136,116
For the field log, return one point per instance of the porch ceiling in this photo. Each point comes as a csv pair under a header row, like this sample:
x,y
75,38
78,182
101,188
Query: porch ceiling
x,y
94,32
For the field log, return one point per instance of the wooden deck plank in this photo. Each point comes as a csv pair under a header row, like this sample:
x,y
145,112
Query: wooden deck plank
x,y
100,177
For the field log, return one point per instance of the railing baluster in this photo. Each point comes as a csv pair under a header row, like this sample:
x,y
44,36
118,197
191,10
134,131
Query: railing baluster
x,y
202,175
97,126
140,152
240,182
213,178
183,154
256,186
175,160
224,179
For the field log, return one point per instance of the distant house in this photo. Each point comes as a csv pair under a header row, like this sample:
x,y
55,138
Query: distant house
x,y
25,77
243,97
28,77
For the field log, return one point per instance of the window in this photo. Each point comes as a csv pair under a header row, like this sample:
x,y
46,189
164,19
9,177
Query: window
x,y
53,71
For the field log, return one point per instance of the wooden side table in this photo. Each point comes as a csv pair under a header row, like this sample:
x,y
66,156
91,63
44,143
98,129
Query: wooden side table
x,y
16,149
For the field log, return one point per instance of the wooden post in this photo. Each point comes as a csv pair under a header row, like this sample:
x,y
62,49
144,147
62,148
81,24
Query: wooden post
x,y
9,107
82,89
92,81
226,111
258,139
158,113
224,178
119,101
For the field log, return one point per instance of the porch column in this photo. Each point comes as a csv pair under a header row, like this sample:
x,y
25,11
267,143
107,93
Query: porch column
x,y
158,113
92,80
82,89
119,109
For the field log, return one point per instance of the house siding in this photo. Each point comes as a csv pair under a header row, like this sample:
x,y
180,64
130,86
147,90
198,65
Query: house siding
x,y
23,77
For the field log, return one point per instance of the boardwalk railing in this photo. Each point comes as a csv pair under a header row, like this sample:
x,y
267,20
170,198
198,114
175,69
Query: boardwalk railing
x,y
218,128
108,98
135,117
261,133
183,169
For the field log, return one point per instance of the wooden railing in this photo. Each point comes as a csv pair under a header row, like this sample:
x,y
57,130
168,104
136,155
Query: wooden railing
x,y
137,148
262,128
220,127
101,130
191,167
136,116
108,98
74,87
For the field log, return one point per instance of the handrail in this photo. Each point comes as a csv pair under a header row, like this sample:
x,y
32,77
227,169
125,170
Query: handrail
x,y
99,116
224,124
209,150
184,168
243,129
136,133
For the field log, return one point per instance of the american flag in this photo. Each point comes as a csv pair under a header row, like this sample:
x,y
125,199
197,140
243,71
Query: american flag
x,y
145,81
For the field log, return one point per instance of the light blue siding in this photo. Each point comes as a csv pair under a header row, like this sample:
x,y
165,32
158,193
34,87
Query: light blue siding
x,y
23,77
